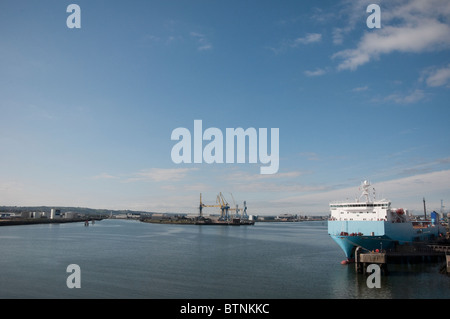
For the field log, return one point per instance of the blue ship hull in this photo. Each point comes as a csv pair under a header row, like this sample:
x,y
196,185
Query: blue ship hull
x,y
372,235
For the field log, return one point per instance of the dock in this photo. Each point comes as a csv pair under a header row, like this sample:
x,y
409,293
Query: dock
x,y
233,222
447,263
402,254
36,221
239,216
199,221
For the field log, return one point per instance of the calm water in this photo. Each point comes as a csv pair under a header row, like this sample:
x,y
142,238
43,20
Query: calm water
x,y
130,259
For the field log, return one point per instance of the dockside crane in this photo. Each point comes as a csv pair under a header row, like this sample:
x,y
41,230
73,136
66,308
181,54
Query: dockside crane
x,y
200,207
203,205
236,214
224,207
244,214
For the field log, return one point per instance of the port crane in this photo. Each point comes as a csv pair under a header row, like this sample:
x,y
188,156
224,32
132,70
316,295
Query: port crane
x,y
236,215
224,207
244,214
203,205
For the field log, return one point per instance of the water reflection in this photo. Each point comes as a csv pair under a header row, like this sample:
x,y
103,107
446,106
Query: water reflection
x,y
129,259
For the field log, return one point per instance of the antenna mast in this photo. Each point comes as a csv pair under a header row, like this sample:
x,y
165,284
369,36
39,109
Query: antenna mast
x,y
424,208
365,186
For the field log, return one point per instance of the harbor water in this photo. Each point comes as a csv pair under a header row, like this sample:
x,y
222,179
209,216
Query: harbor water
x,y
131,259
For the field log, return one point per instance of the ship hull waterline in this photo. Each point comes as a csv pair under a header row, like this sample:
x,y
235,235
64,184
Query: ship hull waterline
x,y
383,235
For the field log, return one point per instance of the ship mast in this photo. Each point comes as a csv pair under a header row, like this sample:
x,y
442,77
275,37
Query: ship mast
x,y
365,186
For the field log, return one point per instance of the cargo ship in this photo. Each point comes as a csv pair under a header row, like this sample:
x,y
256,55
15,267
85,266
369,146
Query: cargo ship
x,y
375,225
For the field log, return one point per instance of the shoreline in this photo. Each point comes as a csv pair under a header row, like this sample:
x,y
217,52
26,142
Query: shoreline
x,y
184,221
36,221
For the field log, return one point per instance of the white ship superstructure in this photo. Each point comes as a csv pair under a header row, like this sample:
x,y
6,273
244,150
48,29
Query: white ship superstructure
x,y
374,224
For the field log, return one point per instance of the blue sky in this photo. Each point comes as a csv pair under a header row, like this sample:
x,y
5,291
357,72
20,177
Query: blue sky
x,y
87,114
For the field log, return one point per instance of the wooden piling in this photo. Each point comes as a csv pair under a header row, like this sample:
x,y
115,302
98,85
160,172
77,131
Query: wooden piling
x,y
448,263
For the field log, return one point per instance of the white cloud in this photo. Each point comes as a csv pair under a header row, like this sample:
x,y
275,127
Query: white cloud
x,y
361,89
161,174
202,41
317,72
151,174
280,183
410,98
439,77
414,26
311,156
205,47
309,38
404,192
240,176
104,176
349,11
338,34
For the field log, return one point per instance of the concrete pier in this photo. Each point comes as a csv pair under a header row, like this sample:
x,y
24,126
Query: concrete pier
x,y
35,221
362,260
448,263
401,254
